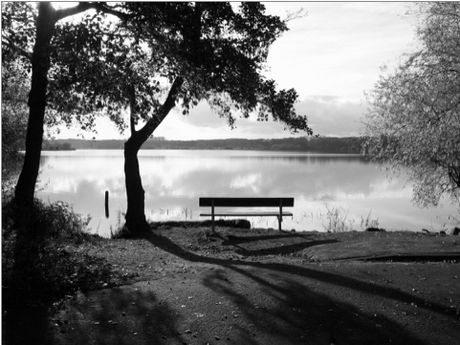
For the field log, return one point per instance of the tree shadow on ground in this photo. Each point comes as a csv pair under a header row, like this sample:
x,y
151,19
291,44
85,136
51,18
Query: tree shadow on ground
x,y
288,311
231,239
309,313
117,316
280,250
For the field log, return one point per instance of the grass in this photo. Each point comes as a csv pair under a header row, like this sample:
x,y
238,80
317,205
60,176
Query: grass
x,y
336,219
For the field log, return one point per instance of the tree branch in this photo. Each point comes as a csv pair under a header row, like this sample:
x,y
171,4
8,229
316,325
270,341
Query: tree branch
x,y
84,6
170,102
172,96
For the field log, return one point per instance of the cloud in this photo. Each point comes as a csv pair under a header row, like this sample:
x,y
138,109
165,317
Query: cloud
x,y
330,116
338,48
203,123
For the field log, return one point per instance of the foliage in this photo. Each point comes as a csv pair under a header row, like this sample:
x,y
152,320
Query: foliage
x,y
59,267
18,32
414,119
14,122
194,52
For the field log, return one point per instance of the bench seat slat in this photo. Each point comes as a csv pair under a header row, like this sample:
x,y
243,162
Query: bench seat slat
x,y
246,202
247,214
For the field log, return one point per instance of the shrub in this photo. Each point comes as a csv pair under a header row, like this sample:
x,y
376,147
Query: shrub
x,y
51,264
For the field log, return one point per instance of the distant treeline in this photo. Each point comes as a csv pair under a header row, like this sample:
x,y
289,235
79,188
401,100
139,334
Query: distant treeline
x,y
320,144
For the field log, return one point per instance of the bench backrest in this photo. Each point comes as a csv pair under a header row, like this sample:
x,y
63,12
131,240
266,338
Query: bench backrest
x,y
247,202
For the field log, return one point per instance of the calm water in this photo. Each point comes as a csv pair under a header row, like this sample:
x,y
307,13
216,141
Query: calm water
x,y
175,179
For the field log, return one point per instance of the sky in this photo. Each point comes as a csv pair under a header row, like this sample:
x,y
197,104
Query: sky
x,y
331,56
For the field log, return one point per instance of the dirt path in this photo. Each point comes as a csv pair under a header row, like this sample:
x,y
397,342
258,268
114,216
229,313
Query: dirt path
x,y
263,287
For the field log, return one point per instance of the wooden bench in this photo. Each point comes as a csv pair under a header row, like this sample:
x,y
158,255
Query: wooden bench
x,y
280,203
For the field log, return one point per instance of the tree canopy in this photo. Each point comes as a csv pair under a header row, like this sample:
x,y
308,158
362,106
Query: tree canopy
x,y
202,51
414,116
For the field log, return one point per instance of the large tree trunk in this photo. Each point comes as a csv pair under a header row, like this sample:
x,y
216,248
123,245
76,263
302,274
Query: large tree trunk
x,y
136,224
25,187
28,235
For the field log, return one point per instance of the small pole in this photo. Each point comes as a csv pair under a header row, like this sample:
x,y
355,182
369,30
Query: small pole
x,y
212,215
280,217
106,204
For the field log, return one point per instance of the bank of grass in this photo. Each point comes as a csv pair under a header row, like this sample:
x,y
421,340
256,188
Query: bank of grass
x,y
57,262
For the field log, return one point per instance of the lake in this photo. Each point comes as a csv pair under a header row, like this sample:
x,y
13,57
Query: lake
x,y
327,188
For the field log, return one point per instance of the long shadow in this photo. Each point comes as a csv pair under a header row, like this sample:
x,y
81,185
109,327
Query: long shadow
x,y
231,239
293,311
295,314
166,244
292,248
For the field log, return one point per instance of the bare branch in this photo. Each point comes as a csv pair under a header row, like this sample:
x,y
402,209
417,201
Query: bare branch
x,y
298,14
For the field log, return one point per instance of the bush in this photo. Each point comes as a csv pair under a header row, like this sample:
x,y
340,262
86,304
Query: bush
x,y
51,264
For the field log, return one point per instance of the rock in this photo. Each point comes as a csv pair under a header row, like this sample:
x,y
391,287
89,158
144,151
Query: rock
x,y
374,229
455,231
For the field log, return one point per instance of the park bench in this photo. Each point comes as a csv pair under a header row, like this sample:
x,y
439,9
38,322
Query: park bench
x,y
280,203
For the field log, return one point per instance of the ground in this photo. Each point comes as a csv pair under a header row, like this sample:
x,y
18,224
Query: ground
x,y
241,286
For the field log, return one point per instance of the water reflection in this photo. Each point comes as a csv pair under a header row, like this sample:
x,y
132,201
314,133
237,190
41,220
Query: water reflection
x,y
174,180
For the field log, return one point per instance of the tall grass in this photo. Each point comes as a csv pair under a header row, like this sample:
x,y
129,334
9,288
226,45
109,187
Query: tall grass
x,y
368,222
336,220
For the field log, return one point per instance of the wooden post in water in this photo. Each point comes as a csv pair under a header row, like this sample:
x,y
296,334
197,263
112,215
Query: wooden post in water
x,y
106,204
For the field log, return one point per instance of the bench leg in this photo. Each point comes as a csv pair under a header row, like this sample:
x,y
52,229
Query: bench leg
x,y
280,219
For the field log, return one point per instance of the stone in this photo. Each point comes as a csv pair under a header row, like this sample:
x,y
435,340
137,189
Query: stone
x,y
455,231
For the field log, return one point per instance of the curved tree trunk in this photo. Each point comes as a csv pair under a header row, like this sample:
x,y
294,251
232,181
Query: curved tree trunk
x,y
136,223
